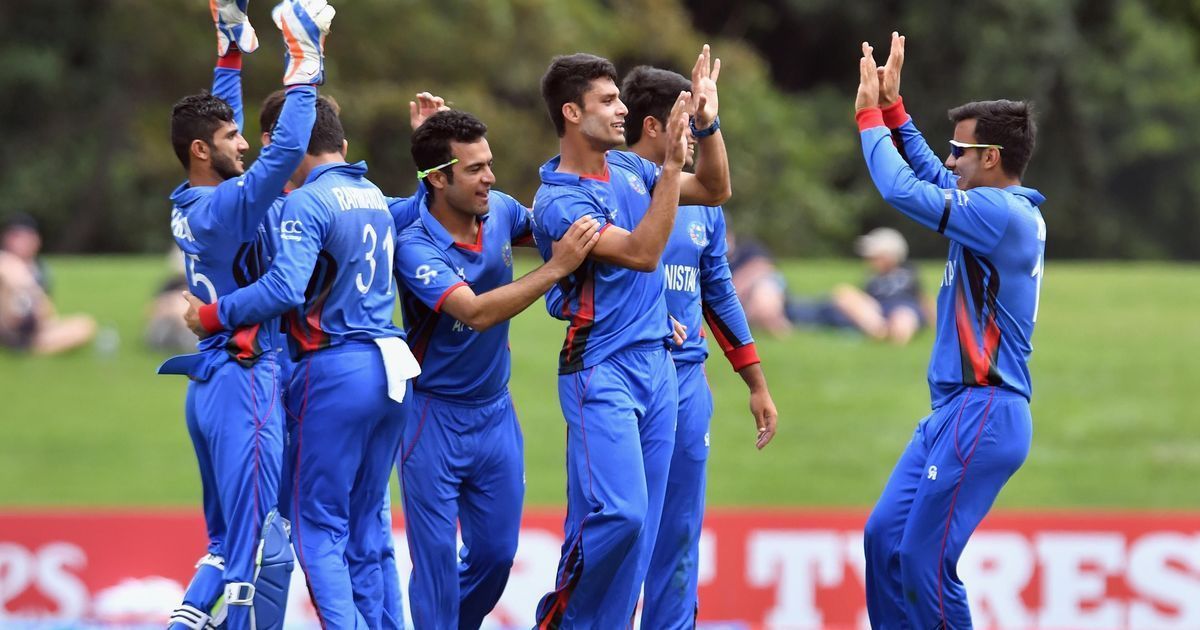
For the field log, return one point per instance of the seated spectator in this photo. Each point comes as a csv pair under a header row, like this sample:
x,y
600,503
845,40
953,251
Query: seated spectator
x,y
28,320
760,286
165,328
890,307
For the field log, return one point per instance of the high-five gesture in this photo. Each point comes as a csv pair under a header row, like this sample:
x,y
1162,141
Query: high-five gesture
x,y
868,80
889,74
425,106
233,26
304,23
677,126
704,86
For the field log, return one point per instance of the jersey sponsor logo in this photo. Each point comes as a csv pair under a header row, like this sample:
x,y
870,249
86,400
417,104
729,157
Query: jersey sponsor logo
x,y
354,198
179,226
637,184
932,474
963,197
425,274
698,234
291,230
681,277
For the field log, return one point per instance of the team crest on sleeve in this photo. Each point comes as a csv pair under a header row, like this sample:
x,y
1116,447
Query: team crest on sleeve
x,y
506,254
699,234
637,184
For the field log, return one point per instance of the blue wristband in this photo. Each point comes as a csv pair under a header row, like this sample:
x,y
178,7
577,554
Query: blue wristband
x,y
704,133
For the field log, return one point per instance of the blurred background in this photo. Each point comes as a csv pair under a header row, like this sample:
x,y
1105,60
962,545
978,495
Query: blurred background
x,y
86,88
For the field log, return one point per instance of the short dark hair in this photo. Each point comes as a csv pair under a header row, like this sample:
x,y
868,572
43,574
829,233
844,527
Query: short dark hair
x,y
568,78
273,104
431,141
328,135
1009,124
649,91
197,117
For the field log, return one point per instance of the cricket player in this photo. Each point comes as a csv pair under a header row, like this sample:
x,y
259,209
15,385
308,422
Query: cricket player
x,y
698,288
332,277
233,412
979,433
617,384
462,459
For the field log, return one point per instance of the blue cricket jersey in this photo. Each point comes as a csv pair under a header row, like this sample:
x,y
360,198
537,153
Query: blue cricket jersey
x,y
218,227
457,361
609,307
988,301
337,249
700,288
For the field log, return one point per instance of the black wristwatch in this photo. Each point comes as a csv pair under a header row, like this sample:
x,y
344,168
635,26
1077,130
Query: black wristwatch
x,y
704,133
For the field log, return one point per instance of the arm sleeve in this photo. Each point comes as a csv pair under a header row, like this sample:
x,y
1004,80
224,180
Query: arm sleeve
x,y
425,272
239,204
405,211
282,287
558,215
719,301
975,218
522,222
554,303
924,162
227,84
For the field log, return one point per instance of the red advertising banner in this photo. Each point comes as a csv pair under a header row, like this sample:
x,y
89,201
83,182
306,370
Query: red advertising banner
x,y
769,569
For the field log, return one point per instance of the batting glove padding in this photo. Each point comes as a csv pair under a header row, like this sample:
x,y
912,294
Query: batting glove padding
x,y
304,23
233,26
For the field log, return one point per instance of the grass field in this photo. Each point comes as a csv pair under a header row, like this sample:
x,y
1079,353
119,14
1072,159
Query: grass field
x,y
1117,354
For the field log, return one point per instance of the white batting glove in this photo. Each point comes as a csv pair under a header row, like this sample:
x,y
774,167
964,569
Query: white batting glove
x,y
304,23
233,26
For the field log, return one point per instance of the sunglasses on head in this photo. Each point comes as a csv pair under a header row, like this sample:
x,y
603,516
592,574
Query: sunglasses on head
x,y
425,173
957,149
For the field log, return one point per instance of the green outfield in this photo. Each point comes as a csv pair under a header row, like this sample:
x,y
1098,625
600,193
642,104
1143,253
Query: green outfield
x,y
1117,352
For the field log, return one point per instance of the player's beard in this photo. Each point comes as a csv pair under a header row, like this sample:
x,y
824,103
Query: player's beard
x,y
225,166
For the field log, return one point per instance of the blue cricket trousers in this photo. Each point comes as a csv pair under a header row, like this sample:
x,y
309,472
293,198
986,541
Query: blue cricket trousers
x,y
673,578
346,432
235,420
959,458
620,435
460,462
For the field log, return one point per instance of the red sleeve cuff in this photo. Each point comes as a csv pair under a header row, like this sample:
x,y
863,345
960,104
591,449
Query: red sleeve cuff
x,y
232,59
868,117
743,356
209,318
894,115
437,308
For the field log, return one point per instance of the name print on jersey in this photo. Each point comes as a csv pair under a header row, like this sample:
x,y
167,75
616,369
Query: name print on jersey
x,y
681,277
353,198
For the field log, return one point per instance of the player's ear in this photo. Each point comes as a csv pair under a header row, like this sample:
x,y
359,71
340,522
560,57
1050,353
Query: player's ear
x,y
345,148
437,179
266,138
651,127
199,150
991,158
572,112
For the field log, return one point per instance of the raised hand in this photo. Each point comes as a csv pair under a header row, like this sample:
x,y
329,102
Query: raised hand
x,y
304,23
889,74
233,26
569,251
677,131
868,80
425,106
704,86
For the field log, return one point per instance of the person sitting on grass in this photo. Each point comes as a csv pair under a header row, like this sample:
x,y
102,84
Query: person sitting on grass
x,y
889,307
28,319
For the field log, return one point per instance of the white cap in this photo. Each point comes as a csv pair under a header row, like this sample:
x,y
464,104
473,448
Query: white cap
x,y
882,242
